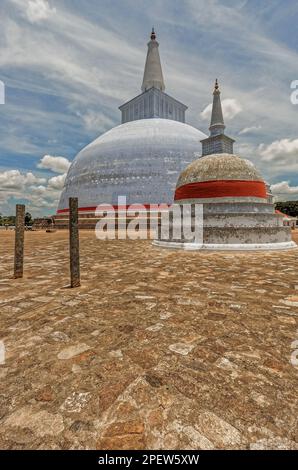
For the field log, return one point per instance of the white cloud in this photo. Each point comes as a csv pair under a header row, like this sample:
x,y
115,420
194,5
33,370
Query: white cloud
x,y
38,190
92,58
57,182
70,54
250,130
55,164
230,108
280,150
14,179
283,188
39,10
39,194
94,121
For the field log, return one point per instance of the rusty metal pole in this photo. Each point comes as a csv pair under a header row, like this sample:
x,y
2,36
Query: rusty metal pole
x,y
74,248
19,241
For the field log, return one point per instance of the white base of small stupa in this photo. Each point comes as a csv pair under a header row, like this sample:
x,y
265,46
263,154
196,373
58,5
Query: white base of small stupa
x,y
192,246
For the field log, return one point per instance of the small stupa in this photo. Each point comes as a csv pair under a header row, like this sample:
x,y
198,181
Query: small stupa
x,y
235,210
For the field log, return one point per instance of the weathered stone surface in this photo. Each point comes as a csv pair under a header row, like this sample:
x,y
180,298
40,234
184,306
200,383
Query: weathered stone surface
x,y
218,431
124,442
19,241
72,351
59,336
74,248
292,301
156,327
181,348
41,422
46,394
120,385
76,402
276,443
197,440
128,427
153,380
123,435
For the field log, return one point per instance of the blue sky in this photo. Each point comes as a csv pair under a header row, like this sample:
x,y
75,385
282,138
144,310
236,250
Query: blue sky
x,y
67,65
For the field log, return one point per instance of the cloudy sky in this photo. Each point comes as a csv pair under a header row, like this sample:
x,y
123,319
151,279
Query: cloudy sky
x,y
67,65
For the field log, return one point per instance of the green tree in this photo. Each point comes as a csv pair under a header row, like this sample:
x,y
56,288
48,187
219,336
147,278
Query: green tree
x,y
288,207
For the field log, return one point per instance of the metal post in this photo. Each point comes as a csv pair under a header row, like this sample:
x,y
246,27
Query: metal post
x,y
19,241
74,249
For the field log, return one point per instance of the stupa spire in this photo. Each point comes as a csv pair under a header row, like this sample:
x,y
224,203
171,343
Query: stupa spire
x,y
153,102
153,76
217,142
217,125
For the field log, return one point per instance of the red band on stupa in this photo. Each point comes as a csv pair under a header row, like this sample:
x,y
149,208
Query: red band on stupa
x,y
63,211
222,188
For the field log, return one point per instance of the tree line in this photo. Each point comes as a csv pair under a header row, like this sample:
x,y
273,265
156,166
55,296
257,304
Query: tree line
x,y
288,207
11,219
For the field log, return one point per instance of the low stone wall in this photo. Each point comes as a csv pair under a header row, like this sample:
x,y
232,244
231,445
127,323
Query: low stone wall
x,y
89,221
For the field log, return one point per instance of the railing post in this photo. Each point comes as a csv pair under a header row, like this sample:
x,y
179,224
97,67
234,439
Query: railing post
x,y
19,241
74,249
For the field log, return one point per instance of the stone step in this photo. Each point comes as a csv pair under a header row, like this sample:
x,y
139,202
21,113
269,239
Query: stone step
x,y
239,207
238,220
242,235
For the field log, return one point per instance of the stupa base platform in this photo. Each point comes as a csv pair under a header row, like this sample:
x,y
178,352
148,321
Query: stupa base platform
x,y
88,220
227,227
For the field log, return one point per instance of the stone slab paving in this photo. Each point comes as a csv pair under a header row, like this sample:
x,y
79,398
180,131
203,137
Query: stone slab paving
x,y
157,349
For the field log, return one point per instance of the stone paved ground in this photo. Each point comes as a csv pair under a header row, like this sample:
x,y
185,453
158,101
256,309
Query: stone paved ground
x,y
158,349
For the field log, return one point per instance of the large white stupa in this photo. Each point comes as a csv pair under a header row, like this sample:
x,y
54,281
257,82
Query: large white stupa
x,y
141,158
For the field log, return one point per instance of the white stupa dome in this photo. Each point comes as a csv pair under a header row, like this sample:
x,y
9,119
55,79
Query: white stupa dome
x,y
140,159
